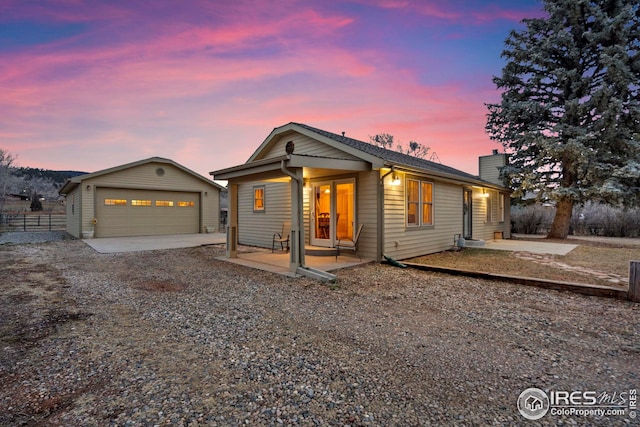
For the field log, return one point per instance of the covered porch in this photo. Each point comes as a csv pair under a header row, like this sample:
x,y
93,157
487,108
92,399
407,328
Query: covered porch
x,y
308,228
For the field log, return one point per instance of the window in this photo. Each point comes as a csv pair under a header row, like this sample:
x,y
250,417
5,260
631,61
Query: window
x,y
495,207
183,204
419,203
413,201
164,203
115,202
258,199
141,202
427,203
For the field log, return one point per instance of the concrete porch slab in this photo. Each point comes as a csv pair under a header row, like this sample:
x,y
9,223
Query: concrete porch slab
x,y
279,262
530,246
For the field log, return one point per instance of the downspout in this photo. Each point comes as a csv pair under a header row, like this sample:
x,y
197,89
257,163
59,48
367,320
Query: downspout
x,y
303,269
381,214
299,213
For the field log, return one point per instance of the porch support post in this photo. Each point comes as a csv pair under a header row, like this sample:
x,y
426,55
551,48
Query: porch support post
x,y
380,218
296,254
232,222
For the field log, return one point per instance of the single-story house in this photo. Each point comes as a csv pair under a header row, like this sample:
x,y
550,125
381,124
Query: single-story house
x,y
327,185
148,197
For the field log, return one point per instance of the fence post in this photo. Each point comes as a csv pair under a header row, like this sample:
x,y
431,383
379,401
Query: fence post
x,y
634,281
24,222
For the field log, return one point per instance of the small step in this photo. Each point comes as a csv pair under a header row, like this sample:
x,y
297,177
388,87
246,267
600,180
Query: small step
x,y
473,243
319,251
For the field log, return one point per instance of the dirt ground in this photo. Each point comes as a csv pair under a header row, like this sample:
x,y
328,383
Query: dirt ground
x,y
177,337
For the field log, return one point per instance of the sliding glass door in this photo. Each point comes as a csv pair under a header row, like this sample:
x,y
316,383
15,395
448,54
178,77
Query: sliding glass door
x,y
332,212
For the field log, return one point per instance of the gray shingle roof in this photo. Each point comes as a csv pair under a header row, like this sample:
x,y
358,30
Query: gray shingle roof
x,y
393,157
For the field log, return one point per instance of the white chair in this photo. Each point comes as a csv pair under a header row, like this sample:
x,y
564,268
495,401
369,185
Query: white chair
x,y
282,237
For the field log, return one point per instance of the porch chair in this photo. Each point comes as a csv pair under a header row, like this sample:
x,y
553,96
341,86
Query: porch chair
x,y
282,237
348,244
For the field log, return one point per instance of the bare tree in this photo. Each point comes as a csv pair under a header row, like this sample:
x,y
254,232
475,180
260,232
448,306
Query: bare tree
x,y
386,141
6,162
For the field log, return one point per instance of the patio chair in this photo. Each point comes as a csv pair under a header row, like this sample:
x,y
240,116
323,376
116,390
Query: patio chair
x,y
282,237
348,244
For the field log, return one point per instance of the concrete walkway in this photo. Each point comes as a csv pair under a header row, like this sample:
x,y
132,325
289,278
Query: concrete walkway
x,y
535,247
110,245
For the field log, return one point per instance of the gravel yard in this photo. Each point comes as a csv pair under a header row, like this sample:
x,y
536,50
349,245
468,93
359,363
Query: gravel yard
x,y
177,337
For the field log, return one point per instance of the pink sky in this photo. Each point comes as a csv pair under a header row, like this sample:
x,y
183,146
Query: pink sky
x,y
90,85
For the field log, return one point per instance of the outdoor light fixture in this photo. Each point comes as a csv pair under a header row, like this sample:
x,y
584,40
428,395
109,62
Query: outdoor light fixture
x,y
395,180
484,193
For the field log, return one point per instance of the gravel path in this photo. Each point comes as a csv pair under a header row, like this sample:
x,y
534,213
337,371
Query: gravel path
x,y
177,337
20,237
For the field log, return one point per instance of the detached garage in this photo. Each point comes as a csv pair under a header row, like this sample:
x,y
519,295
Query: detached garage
x,y
148,197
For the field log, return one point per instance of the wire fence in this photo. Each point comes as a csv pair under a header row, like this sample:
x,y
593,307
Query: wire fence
x,y
32,222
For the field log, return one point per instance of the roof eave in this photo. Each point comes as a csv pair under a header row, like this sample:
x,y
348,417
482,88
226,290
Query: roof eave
x,y
453,178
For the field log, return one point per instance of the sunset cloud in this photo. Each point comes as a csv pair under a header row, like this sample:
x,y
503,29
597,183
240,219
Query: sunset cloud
x,y
89,85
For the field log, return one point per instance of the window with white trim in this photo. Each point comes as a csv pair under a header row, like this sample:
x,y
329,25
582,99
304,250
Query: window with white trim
x,y
258,199
495,207
419,198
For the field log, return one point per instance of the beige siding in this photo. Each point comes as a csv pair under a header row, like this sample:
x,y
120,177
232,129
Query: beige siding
x,y
87,208
257,228
304,145
403,242
485,221
74,212
367,212
489,167
145,177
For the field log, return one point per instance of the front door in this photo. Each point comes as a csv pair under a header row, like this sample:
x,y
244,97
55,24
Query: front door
x,y
332,212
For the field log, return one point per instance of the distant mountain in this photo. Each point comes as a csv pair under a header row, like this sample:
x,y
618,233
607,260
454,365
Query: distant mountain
x,y
59,177
43,182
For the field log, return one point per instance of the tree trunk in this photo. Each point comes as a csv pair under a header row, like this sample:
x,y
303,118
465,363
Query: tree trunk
x,y
562,220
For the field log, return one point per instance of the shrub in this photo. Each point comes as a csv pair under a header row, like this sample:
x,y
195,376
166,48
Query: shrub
x,y
590,219
605,220
531,219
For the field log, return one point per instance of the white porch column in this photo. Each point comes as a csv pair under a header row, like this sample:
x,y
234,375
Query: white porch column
x,y
232,222
296,254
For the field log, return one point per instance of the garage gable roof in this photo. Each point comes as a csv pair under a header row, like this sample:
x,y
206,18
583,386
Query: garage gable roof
x,y
72,183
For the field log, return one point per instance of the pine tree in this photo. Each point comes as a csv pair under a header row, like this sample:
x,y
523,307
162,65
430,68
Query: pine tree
x,y
570,110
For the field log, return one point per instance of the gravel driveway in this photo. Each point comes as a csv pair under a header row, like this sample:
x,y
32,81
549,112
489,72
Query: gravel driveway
x,y
177,337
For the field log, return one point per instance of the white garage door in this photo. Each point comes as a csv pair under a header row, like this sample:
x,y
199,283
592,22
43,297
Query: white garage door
x,y
127,212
